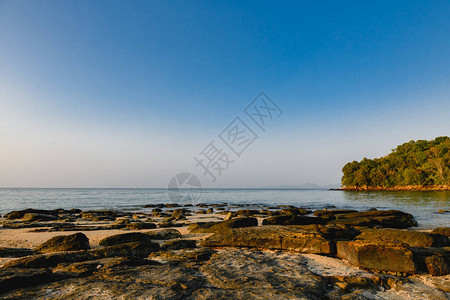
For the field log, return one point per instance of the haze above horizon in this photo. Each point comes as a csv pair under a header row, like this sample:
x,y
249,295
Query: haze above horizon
x,y
126,94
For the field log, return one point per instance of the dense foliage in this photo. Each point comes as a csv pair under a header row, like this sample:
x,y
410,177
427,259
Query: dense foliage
x,y
416,163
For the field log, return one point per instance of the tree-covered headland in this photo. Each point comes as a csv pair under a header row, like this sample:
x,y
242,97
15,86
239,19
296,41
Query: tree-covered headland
x,y
416,164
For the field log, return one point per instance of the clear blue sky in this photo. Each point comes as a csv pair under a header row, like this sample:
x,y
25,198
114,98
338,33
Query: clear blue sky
x,y
126,93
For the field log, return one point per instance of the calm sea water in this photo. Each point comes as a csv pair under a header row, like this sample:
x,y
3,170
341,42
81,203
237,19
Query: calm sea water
x,y
423,205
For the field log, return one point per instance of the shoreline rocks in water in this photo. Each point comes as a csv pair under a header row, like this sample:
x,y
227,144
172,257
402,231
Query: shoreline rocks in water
x,y
236,252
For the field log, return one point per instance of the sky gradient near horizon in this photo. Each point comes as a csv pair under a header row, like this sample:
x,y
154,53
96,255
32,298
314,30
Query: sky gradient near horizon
x,y
125,94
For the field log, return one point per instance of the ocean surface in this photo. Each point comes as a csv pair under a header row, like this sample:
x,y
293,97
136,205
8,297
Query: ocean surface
x,y
423,206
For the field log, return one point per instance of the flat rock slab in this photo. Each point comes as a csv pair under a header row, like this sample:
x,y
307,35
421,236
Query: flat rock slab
x,y
274,238
229,274
409,237
381,256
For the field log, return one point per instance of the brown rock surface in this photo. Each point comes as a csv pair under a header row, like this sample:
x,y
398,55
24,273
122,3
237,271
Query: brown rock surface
x,y
273,237
380,256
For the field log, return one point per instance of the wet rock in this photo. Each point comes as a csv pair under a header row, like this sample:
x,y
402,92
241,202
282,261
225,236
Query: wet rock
x,y
292,220
409,237
140,225
15,252
437,265
33,217
273,237
442,230
179,244
165,234
18,214
380,256
211,227
382,218
125,238
77,241
11,279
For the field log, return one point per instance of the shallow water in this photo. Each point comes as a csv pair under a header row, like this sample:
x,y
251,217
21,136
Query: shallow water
x,y
423,205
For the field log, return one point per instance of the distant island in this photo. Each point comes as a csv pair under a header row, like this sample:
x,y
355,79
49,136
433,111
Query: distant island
x,y
416,165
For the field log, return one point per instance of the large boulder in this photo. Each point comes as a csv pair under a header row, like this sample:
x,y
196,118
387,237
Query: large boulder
x,y
292,220
409,237
379,256
77,241
273,237
211,227
376,218
125,238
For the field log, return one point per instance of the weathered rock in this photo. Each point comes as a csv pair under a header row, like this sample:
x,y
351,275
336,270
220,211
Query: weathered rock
x,y
184,255
77,241
125,238
11,279
88,267
32,217
383,218
121,282
442,230
437,265
409,237
137,249
273,237
140,225
333,232
165,234
179,244
329,214
245,274
421,254
18,214
247,212
292,220
211,227
380,256
15,252
294,211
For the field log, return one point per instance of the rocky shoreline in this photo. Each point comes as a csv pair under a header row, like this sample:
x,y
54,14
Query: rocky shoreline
x,y
221,251
417,188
